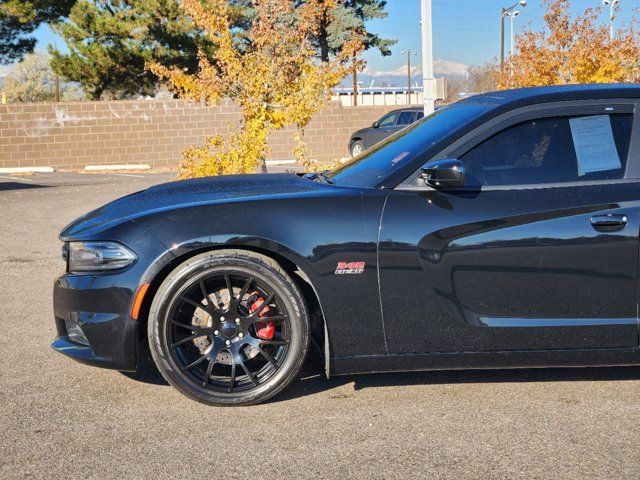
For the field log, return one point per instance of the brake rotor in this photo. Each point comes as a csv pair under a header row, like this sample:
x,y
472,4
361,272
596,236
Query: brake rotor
x,y
202,319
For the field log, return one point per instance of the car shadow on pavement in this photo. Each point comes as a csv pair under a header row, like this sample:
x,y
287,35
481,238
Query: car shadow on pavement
x,y
6,186
312,380
147,373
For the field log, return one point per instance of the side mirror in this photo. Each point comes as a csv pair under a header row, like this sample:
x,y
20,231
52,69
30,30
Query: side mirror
x,y
446,173
375,125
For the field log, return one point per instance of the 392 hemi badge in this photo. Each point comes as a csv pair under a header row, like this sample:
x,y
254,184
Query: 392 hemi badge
x,y
350,268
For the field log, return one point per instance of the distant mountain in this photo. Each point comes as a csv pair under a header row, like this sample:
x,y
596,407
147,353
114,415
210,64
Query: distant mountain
x,y
447,68
398,77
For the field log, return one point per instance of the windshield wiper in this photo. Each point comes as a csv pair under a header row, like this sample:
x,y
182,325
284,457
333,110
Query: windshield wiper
x,y
323,177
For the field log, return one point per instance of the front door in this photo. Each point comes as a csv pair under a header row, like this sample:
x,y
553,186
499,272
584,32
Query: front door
x,y
539,251
387,126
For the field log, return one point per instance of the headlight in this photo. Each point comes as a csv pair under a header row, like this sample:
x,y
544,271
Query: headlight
x,y
97,256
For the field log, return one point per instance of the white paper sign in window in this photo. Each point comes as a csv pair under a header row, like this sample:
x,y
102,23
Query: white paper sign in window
x,y
594,143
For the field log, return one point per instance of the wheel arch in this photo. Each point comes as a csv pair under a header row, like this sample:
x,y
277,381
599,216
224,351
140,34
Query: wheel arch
x,y
298,273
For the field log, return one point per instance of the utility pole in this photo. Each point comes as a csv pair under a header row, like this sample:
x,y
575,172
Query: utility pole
x,y
355,81
57,77
408,53
428,82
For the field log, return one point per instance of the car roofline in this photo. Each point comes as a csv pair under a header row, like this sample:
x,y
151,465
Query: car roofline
x,y
517,97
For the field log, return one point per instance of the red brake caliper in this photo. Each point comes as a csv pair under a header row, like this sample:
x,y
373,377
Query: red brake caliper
x,y
264,330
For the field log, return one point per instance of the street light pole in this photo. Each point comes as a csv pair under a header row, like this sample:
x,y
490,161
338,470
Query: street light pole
x,y
513,15
612,5
428,82
505,12
408,53
611,19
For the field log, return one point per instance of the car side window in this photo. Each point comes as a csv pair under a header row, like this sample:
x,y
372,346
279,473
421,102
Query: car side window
x,y
405,118
552,150
419,116
388,120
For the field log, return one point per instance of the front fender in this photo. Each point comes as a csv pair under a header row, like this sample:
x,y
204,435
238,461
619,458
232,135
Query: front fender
x,y
307,236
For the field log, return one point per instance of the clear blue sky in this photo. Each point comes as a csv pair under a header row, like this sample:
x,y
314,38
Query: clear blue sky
x,y
465,31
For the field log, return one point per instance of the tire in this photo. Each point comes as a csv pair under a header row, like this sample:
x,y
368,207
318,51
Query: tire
x,y
357,148
196,366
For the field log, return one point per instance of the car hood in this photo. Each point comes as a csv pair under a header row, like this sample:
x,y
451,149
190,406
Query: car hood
x,y
187,193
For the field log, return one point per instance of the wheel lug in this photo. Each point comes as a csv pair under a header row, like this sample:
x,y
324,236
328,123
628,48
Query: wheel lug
x,y
227,342
237,320
216,332
222,319
241,335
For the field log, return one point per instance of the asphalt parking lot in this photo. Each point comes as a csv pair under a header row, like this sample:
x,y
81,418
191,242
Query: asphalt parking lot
x,y
60,419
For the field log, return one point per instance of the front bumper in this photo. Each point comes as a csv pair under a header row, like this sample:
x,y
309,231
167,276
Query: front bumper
x,y
93,322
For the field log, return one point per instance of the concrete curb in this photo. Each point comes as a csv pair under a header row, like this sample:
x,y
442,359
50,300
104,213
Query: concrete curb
x,y
98,168
271,163
27,170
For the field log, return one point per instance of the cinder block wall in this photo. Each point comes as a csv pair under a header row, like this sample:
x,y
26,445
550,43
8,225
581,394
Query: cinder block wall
x,y
72,135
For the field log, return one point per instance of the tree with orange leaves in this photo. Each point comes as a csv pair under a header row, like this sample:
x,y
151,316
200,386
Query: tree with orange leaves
x,y
272,74
572,50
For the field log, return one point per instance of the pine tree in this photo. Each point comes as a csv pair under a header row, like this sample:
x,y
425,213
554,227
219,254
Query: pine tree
x,y
349,16
19,18
346,18
111,41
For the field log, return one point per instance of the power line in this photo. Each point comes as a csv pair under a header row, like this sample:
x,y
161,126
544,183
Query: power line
x,y
446,29
532,17
475,39
453,17
472,7
465,29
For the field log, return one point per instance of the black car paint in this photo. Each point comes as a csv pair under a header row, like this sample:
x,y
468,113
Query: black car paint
x,y
413,308
182,220
528,277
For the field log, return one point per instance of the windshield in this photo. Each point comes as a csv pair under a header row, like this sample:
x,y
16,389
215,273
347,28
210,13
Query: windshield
x,y
399,150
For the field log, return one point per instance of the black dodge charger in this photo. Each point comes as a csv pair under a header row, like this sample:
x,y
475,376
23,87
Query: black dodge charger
x,y
500,232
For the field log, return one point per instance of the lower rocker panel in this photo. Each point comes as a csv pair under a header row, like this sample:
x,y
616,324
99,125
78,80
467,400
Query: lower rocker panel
x,y
484,360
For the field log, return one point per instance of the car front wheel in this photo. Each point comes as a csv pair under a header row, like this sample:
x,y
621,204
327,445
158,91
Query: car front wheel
x,y
229,327
357,148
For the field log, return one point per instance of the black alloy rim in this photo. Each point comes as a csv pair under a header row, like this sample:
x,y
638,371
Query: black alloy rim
x,y
230,332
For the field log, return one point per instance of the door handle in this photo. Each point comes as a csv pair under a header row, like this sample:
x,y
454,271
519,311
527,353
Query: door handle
x,y
610,222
